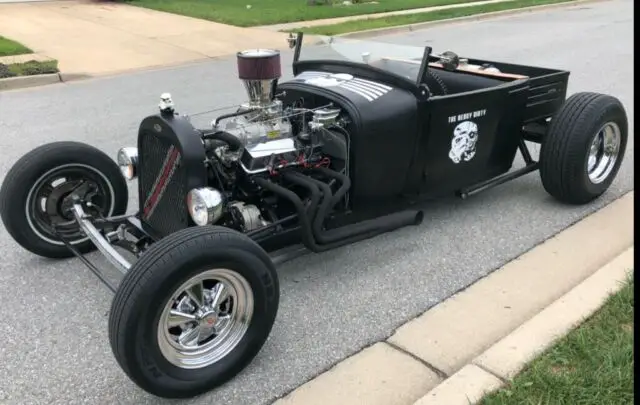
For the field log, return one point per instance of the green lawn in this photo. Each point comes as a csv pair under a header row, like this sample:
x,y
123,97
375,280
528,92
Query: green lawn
x,y
373,23
29,68
592,365
10,48
265,12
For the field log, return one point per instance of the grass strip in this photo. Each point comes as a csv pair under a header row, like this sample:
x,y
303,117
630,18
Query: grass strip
x,y
267,12
28,68
9,47
592,365
393,21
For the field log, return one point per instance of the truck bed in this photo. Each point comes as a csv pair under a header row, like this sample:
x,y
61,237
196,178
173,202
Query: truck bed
x,y
547,87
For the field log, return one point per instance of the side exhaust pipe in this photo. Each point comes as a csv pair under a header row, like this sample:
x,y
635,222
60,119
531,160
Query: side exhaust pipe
x,y
313,236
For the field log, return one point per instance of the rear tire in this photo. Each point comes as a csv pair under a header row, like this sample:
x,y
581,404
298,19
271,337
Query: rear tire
x,y
36,192
584,147
141,333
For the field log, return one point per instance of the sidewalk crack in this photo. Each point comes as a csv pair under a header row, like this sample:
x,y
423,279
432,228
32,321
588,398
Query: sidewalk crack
x,y
428,365
486,370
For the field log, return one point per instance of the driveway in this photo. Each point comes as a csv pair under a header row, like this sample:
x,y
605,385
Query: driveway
x,y
55,349
89,38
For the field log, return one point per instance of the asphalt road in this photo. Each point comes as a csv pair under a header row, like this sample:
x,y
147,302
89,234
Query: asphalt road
x,y
54,347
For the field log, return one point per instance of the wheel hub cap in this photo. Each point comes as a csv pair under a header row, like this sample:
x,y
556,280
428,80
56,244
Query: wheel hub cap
x,y
205,318
603,152
209,320
49,201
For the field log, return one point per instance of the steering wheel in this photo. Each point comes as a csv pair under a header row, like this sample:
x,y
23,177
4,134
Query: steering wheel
x,y
449,60
434,84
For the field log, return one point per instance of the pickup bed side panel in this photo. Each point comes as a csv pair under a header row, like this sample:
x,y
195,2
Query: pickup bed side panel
x,y
468,137
546,95
547,92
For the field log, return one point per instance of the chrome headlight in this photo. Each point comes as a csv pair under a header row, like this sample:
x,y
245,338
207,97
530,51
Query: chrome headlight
x,y
205,205
128,162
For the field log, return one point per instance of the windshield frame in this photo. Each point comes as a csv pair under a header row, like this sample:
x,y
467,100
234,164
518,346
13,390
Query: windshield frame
x,y
364,69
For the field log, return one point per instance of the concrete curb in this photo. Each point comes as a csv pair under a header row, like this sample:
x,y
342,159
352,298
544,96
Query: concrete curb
x,y
20,82
12,83
476,17
505,359
498,323
465,387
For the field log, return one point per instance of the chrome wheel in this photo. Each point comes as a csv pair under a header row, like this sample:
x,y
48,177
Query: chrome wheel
x,y
205,318
603,152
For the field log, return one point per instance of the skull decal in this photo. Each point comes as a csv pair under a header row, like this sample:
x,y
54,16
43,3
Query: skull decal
x,y
463,144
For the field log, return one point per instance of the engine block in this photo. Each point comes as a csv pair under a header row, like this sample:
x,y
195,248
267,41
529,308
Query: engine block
x,y
257,124
272,135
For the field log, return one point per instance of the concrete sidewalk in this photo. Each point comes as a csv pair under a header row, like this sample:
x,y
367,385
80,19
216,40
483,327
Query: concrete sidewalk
x,y
92,39
481,337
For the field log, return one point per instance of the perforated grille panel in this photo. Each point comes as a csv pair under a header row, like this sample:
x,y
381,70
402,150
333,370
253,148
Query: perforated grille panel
x,y
162,185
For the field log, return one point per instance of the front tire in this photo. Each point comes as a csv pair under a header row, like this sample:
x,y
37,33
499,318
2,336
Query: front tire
x,y
193,311
35,196
584,147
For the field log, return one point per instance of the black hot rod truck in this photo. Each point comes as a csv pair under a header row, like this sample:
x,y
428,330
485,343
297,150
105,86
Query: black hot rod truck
x,y
345,150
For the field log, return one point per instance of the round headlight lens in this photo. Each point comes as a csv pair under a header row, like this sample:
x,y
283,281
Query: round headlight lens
x,y
205,205
128,162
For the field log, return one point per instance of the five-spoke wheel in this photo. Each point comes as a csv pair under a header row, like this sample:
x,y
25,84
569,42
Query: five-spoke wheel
x,y
193,311
206,318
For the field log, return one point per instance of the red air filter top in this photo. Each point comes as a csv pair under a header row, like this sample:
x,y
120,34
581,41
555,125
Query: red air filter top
x,y
259,64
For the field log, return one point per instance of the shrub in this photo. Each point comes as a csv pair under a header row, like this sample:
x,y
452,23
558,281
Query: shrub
x,y
5,72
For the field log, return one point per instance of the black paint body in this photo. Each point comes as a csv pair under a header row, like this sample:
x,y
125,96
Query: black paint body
x,y
399,142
